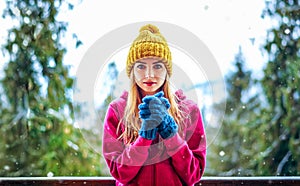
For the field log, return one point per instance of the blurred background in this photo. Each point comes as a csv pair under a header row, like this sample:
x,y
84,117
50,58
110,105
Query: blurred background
x,y
255,43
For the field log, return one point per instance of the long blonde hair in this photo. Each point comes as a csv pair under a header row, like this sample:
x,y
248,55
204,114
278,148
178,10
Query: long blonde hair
x,y
131,118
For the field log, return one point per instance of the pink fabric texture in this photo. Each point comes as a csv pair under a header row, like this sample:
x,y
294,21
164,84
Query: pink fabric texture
x,y
179,160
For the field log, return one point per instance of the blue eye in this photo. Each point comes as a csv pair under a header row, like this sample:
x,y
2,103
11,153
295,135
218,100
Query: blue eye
x,y
157,66
141,66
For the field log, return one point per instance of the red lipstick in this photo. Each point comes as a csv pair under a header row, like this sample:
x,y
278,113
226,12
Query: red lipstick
x,y
150,83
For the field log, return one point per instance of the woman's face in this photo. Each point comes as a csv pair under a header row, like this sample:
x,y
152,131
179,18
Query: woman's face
x,y
150,74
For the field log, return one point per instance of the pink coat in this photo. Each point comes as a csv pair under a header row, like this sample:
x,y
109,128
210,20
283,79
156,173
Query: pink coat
x,y
179,160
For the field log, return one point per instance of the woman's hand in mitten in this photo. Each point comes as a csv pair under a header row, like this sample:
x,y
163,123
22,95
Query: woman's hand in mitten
x,y
152,112
168,127
154,108
150,117
148,129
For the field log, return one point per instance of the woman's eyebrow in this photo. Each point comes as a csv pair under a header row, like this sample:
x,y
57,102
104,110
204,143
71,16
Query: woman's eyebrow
x,y
140,62
158,62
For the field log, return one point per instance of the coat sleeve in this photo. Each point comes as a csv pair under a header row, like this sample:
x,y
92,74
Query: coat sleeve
x,y
189,155
124,161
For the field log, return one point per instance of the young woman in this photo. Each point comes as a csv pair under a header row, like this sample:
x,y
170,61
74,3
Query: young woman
x,y
153,136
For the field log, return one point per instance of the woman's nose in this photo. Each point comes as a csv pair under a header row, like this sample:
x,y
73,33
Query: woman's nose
x,y
149,73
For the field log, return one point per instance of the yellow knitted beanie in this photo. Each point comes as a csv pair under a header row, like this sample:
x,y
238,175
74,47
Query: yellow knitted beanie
x,y
149,43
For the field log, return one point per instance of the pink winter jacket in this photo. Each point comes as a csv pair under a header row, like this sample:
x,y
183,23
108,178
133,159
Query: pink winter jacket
x,y
179,160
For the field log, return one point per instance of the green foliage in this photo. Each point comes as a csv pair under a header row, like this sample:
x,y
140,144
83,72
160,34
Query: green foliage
x,y
260,132
37,135
232,152
261,137
281,86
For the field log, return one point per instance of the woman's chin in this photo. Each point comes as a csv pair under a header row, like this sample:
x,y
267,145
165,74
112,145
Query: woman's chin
x,y
149,90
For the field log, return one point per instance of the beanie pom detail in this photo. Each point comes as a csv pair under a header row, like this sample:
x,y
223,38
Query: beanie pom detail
x,y
150,28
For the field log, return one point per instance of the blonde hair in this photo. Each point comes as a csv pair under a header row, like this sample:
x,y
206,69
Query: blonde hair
x,y
131,118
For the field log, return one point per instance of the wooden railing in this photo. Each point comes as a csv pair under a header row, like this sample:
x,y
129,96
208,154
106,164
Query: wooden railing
x,y
109,181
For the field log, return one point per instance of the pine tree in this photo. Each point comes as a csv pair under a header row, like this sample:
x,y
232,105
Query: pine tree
x,y
281,129
37,135
232,151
